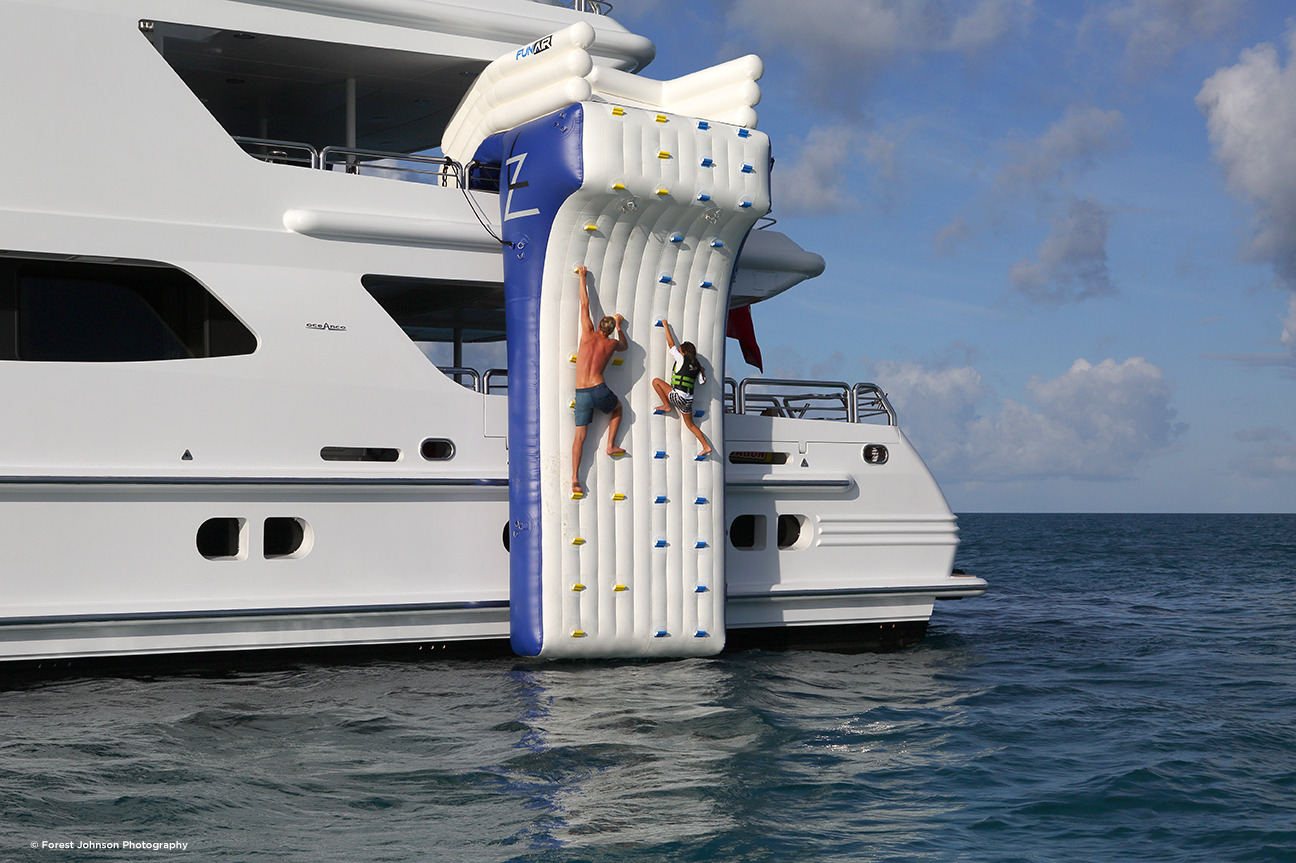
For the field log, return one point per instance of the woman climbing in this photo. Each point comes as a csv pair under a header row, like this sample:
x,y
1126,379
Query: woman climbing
x,y
686,373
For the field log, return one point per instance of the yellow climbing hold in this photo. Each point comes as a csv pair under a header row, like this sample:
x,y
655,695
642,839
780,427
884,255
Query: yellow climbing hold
x,y
578,587
661,118
618,111
618,496
663,154
620,588
578,540
578,633
616,361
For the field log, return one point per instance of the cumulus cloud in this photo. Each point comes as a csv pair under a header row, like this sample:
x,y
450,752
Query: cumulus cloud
x,y
1066,149
1093,422
1250,113
1071,264
1274,458
812,179
815,179
842,45
1155,31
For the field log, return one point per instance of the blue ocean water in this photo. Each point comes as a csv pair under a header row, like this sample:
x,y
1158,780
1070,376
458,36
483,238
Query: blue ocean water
x,y
1125,692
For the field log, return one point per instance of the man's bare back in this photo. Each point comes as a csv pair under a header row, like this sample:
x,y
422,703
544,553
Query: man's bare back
x,y
592,357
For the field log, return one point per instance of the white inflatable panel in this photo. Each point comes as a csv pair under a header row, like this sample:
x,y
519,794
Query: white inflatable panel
x,y
556,70
636,567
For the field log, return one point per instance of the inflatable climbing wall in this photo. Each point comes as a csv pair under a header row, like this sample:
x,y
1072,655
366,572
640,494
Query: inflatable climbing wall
x,y
656,205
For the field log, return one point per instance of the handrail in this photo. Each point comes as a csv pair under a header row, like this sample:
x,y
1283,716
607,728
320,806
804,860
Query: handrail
x,y
313,157
356,158
458,371
487,385
868,400
783,403
594,7
851,403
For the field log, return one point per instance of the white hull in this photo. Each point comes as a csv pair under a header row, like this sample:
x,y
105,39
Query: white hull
x,y
99,508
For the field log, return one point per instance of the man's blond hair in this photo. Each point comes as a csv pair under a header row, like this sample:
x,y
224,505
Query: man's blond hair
x,y
607,325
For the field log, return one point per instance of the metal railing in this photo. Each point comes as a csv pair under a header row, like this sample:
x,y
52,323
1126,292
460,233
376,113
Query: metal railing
x,y
446,170
280,152
868,401
780,397
804,399
488,381
461,372
442,169
594,7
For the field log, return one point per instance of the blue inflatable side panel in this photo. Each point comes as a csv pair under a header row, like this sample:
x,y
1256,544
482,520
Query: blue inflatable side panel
x,y
540,168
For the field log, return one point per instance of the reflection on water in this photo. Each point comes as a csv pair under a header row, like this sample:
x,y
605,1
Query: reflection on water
x,y
1124,692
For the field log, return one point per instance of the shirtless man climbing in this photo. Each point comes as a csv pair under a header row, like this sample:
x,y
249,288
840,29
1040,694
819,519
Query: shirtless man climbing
x,y
596,348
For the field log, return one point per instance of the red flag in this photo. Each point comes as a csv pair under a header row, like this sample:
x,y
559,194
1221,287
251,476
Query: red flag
x,y
740,328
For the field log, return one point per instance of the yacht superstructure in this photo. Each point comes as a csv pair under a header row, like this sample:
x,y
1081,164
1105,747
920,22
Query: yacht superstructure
x,y
220,285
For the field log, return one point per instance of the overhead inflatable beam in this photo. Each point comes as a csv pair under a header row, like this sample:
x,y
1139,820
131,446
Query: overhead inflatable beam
x,y
557,70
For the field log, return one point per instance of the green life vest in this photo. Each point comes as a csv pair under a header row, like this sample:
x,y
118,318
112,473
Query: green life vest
x,y
685,377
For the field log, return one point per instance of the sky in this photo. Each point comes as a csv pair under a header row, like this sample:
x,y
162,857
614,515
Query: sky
x,y
1061,236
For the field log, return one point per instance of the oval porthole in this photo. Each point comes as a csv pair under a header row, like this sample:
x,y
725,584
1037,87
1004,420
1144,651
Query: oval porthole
x,y
747,532
222,539
507,538
286,538
875,453
437,449
794,532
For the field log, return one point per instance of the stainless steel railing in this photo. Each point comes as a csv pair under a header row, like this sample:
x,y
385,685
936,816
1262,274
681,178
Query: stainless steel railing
x,y
594,7
782,397
280,152
354,161
461,372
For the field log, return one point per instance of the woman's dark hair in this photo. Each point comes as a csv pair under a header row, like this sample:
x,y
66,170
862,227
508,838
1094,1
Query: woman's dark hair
x,y
688,349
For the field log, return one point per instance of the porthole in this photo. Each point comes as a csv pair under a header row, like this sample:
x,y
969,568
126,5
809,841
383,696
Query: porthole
x,y
875,453
747,532
437,449
286,538
507,538
359,453
222,539
793,532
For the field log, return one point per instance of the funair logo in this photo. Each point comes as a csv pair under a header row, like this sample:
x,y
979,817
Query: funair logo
x,y
535,47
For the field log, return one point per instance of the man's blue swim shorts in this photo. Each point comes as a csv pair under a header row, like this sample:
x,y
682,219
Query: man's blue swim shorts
x,y
589,398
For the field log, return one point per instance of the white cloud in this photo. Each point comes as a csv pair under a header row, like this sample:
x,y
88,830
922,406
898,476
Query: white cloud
x,y
815,180
842,45
1093,422
1155,31
1275,458
1066,148
1071,263
1250,113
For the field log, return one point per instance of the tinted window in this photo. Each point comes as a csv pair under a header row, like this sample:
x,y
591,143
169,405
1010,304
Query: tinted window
x,y
61,311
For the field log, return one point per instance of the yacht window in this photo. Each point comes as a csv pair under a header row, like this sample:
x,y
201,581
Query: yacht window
x,y
438,449
284,90
222,539
286,538
455,323
747,532
359,453
79,311
793,532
